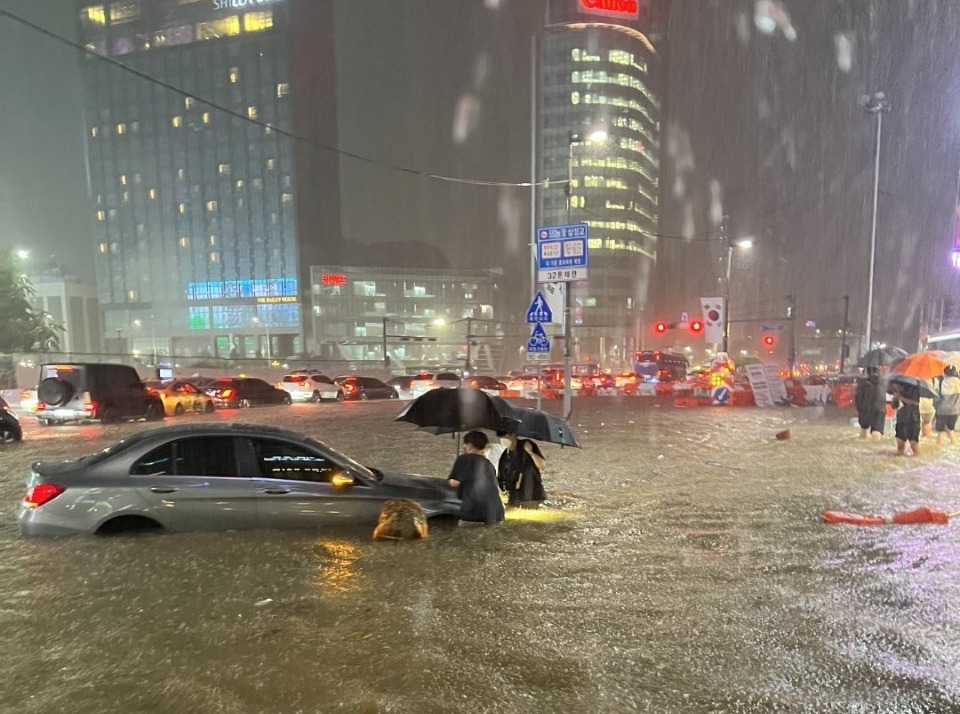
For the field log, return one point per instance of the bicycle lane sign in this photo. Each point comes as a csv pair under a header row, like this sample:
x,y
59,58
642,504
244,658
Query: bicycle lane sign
x,y
539,343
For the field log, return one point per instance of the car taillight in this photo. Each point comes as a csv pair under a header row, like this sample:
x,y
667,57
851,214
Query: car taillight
x,y
24,395
472,383
40,494
226,393
348,387
90,407
40,406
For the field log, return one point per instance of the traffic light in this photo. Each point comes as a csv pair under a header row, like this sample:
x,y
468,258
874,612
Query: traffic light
x,y
696,327
769,340
660,327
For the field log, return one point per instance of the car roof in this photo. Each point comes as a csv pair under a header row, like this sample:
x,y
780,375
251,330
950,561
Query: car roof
x,y
215,429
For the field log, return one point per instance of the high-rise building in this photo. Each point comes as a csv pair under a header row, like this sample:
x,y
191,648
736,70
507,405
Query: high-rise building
x,y
600,90
214,192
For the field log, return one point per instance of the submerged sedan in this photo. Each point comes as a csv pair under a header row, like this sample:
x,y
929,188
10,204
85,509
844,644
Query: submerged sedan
x,y
210,477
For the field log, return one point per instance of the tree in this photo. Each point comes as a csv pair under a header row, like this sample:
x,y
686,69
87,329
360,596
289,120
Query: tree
x,y
23,328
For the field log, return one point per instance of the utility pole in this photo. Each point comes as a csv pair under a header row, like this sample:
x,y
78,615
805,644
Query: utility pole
x,y
792,316
843,338
386,357
726,284
467,366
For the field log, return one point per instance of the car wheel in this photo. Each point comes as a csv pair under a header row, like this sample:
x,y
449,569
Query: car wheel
x,y
178,410
109,415
315,397
209,408
154,412
364,396
339,395
46,422
286,399
394,395
245,403
54,391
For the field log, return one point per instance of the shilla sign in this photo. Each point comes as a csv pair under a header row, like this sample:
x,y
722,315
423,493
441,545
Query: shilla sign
x,y
239,4
620,9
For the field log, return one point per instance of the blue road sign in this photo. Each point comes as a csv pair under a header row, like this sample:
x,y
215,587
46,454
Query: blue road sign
x,y
539,310
721,395
539,342
562,254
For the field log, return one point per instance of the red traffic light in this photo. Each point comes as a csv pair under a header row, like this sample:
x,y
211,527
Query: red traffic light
x,y
660,327
696,327
769,340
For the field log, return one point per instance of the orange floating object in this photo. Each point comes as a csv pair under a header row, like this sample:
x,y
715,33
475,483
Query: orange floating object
x,y
921,515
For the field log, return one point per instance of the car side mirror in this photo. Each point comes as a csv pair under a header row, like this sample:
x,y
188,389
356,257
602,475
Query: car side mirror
x,y
342,480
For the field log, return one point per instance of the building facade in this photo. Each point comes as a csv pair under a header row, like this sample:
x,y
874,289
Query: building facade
x,y
213,192
415,317
73,304
600,74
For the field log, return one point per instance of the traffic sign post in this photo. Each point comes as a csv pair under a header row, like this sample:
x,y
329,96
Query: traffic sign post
x,y
538,343
539,310
562,254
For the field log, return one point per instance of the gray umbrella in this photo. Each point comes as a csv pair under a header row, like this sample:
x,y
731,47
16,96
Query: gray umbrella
x,y
882,357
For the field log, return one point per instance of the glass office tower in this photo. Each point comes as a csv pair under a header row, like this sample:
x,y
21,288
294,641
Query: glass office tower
x,y
213,192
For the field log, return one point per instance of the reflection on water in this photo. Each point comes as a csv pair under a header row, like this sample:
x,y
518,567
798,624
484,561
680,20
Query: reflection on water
x,y
680,566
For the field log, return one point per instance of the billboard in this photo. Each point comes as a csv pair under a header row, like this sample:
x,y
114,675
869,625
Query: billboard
x,y
617,9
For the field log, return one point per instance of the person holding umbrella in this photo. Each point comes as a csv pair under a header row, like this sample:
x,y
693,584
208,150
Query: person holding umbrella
x,y
906,400
520,472
476,483
871,403
949,407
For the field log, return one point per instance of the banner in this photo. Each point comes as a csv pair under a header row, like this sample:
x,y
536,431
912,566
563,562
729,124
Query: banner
x,y
713,308
767,385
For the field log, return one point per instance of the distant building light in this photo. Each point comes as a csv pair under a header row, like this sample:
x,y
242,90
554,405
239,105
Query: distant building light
x,y
333,279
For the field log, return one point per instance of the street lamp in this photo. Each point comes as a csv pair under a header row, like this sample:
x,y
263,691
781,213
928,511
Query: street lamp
x,y
598,135
875,104
743,244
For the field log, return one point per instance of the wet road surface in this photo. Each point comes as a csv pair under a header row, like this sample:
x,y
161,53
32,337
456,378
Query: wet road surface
x,y
681,567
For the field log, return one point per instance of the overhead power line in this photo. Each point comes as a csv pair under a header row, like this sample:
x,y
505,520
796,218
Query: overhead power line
x,y
6,14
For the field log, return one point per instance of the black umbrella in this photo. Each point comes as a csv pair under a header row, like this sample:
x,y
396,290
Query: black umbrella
x,y
923,389
541,426
445,411
882,357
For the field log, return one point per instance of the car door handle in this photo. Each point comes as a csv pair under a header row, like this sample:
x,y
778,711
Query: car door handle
x,y
275,491
164,489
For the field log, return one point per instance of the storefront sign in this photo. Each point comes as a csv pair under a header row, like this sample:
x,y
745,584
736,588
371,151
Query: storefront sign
x,y
239,4
275,300
333,279
620,9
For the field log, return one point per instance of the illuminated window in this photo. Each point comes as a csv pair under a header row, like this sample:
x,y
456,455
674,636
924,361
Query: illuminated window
x,y
224,27
271,164
213,240
123,179
181,174
257,21
267,130
239,183
574,97
189,102
131,295
121,12
177,121
234,75
283,89
182,208
575,54
252,112
136,179
94,132
212,205
286,198
93,15
206,117
101,215
135,127
620,57
214,257
121,128
258,183
103,247
224,169
126,196
153,194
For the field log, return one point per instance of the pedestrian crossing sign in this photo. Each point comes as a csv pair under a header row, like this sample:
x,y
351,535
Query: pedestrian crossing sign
x,y
539,310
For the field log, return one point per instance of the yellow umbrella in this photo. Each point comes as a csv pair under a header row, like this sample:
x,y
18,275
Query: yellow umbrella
x,y
922,365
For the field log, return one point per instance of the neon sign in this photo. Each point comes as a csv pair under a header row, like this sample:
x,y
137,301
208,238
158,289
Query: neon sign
x,y
333,279
621,9
239,4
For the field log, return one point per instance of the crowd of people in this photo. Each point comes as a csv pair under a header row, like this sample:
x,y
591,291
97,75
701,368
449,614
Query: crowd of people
x,y
486,474
919,409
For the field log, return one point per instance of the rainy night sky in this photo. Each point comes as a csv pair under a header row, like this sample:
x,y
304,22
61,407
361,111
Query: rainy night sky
x,y
763,124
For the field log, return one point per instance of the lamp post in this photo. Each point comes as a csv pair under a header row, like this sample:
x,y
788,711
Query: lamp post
x,y
745,244
595,136
877,105
266,327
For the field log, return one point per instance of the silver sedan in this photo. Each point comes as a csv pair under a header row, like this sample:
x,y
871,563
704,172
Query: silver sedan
x,y
207,477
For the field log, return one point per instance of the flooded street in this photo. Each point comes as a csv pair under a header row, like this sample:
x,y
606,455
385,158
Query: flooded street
x,y
682,567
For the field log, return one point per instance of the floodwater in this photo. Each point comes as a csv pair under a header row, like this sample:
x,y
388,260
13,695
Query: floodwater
x,y
682,567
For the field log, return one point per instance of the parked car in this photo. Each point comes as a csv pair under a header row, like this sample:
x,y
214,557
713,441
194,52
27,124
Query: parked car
x,y
490,385
86,391
180,396
425,381
233,392
403,385
365,388
10,429
216,476
450,380
310,387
